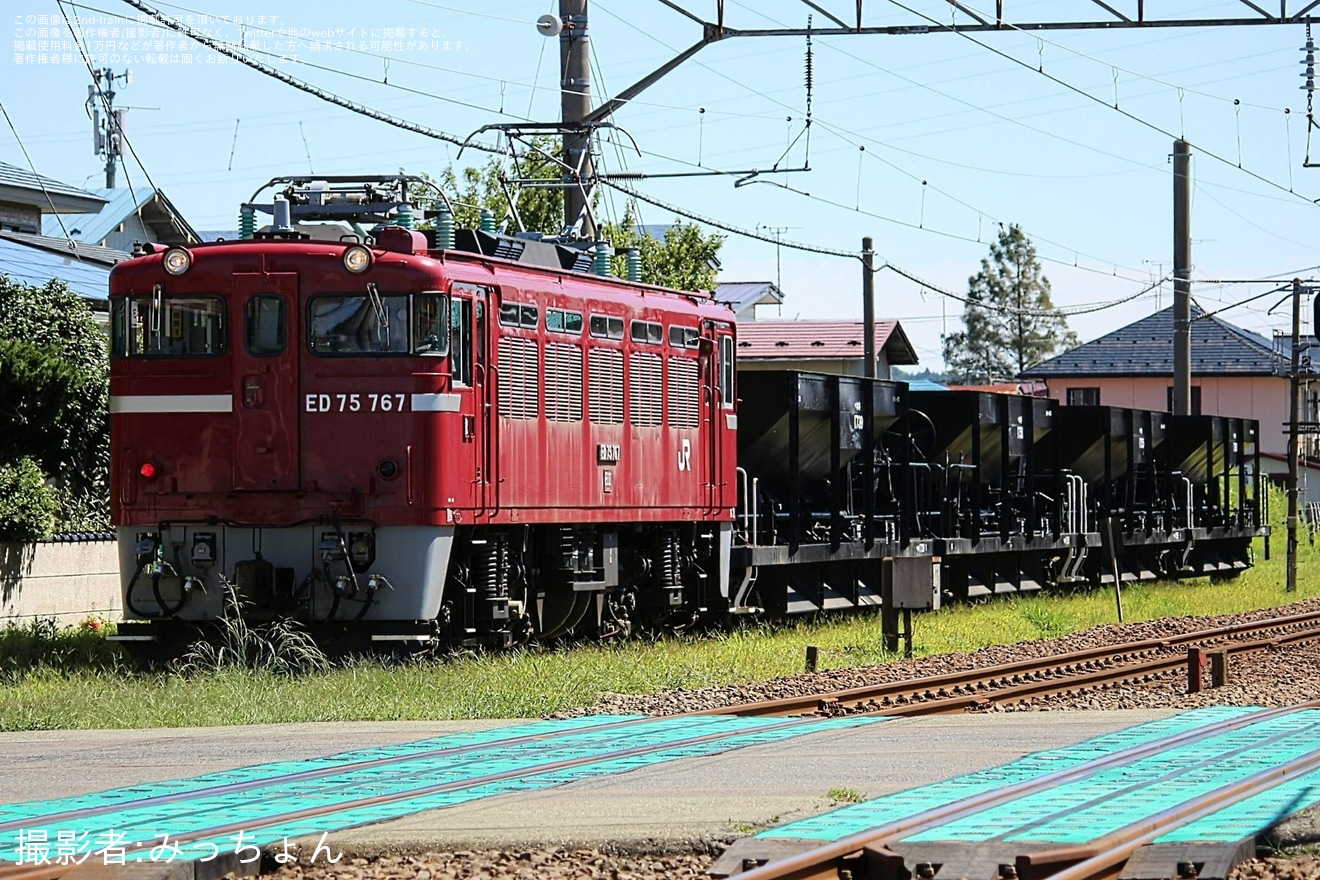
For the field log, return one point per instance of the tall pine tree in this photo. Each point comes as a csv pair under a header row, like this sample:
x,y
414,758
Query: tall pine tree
x,y
1009,321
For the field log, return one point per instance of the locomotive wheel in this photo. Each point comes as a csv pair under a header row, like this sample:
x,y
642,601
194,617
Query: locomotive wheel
x,y
561,610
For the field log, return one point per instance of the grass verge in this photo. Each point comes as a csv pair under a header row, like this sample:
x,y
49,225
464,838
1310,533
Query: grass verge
x,y
74,680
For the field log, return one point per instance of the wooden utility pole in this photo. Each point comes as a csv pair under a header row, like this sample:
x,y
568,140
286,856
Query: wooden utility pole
x,y
868,307
1182,279
575,108
1294,384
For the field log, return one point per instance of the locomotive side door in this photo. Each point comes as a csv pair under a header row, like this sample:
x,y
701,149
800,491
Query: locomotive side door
x,y
469,469
723,417
265,353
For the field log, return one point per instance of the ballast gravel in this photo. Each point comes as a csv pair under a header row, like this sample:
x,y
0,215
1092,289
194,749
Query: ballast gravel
x,y
1266,678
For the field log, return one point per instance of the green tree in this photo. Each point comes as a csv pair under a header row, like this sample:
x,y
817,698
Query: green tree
x,y
684,259
54,390
1009,321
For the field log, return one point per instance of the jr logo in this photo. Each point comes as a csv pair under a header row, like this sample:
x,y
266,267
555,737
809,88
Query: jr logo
x,y
685,456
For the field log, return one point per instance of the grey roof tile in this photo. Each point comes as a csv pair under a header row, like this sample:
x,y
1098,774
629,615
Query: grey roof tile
x,y
1145,347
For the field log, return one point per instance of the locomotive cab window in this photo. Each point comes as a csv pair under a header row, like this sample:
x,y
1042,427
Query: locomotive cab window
x,y
726,372
460,345
167,326
266,325
378,323
430,325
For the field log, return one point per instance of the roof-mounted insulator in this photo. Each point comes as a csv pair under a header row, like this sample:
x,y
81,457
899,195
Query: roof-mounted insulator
x,y
247,222
602,262
444,230
404,217
634,257
487,222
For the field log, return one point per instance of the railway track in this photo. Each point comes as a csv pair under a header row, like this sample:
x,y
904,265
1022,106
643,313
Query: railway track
x,y
1220,766
359,788
1021,681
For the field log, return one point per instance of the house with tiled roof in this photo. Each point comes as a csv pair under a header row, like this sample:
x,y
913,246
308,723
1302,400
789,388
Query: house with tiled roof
x,y
821,347
744,297
1235,372
27,200
26,195
128,216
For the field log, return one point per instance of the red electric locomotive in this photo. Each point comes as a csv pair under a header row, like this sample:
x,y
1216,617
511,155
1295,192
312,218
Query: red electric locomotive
x,y
473,443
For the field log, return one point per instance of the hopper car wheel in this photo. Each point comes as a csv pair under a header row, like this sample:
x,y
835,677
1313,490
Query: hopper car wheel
x,y
561,610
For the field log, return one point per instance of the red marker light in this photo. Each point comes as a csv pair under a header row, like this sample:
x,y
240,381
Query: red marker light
x,y
148,470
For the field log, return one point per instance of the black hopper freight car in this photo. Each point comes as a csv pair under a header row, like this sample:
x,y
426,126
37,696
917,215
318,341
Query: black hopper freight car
x,y
850,488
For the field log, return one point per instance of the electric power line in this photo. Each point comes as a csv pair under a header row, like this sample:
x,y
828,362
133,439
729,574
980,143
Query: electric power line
x,y
301,85
73,245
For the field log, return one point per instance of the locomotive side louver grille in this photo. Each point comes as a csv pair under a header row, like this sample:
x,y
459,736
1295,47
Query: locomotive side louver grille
x,y
606,395
563,382
644,384
684,410
510,249
519,379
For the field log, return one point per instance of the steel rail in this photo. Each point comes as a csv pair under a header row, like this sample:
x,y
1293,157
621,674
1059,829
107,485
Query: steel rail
x,y
46,872
1116,848
956,691
822,861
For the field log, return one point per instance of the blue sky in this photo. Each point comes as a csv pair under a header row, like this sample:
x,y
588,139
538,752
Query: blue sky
x,y
957,136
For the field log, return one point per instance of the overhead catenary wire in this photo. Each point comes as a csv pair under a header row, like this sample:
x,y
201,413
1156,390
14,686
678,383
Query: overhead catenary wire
x,y
175,220
1008,25
856,255
853,138
1104,103
301,85
532,87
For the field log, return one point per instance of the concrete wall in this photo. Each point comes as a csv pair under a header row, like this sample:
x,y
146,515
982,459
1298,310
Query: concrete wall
x,y
68,581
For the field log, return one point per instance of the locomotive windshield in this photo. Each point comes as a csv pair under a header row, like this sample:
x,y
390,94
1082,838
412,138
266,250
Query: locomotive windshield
x,y
378,323
167,326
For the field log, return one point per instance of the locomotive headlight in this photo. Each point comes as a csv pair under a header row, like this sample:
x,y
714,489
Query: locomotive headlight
x,y
177,260
357,259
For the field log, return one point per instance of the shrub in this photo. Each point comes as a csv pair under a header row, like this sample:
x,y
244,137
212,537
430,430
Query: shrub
x,y
54,387
27,504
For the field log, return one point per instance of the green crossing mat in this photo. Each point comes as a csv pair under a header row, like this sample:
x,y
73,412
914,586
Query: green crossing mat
x,y
1080,811
136,813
